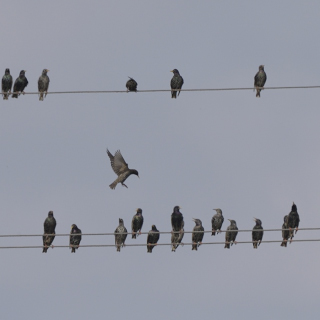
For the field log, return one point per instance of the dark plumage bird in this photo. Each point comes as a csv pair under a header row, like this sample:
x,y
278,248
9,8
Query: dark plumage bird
x,y
20,83
153,238
49,228
6,85
197,236
120,235
75,238
43,84
231,236
176,219
217,221
176,83
176,237
131,85
120,167
260,79
293,221
136,223
257,235
285,233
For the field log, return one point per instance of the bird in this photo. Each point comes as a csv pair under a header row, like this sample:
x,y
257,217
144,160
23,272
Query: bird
x,y
259,80
136,223
120,167
285,232
293,221
257,235
6,84
120,235
230,234
131,85
197,236
176,238
20,83
153,238
176,83
217,221
176,219
75,238
43,84
49,228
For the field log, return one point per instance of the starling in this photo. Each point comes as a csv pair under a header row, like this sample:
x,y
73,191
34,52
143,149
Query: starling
x,y
231,235
153,237
217,221
259,80
197,236
120,167
20,83
6,84
43,84
257,235
293,221
49,228
121,235
176,237
176,83
176,219
285,233
131,85
75,238
136,223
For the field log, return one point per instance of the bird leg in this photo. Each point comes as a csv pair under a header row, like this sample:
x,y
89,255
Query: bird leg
x,y
140,231
124,185
296,229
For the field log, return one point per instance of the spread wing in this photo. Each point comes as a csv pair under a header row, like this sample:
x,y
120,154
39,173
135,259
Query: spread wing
x,y
117,162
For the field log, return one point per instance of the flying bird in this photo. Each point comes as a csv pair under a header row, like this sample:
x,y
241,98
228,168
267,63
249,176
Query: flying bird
x,y
217,221
131,85
176,219
75,238
256,234
20,83
120,167
136,223
230,234
49,228
176,238
6,84
176,83
293,221
153,238
120,235
43,84
259,80
285,232
197,236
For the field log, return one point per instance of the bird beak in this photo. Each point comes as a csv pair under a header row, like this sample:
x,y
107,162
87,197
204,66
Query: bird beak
x,y
171,71
137,210
229,220
25,70
193,219
48,70
254,219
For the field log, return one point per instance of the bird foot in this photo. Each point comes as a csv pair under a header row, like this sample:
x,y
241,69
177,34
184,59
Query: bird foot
x,y
23,92
296,229
52,246
140,232
235,242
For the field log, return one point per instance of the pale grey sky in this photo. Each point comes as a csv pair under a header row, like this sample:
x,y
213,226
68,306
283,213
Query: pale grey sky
x,y
250,157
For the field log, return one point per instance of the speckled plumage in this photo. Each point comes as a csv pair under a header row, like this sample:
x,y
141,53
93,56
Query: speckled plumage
x,y
120,235
131,85
197,236
43,84
153,238
231,236
216,222
293,221
136,223
285,233
20,84
176,238
176,83
256,234
6,84
49,228
259,80
176,219
75,238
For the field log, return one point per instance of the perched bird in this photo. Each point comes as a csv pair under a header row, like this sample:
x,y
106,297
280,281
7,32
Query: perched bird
x,y
293,221
197,236
230,234
176,219
259,80
176,83
131,85
120,167
285,233
49,228
20,83
75,238
136,223
176,237
217,221
257,235
120,235
153,238
6,84
43,84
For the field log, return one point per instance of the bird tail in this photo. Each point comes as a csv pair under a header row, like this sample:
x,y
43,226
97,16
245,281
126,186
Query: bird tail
x,y
118,248
213,233
73,250
173,248
195,246
5,96
14,95
283,244
258,93
41,96
149,248
174,94
134,235
45,249
227,245
255,246
113,184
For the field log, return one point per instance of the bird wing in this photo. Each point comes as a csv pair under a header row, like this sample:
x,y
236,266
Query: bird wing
x,y
117,163
256,79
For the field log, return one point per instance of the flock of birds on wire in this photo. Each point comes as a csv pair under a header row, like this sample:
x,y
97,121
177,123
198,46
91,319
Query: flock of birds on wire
x,y
131,85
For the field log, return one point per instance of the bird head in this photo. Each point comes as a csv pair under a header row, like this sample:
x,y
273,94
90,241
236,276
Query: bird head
x,y
175,71
7,71
74,226
50,214
294,207
258,221
22,72
154,228
44,71
232,222
139,210
135,172
120,221
176,209
197,222
261,67
218,210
